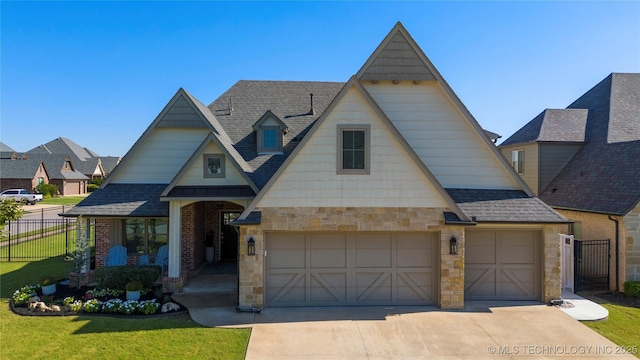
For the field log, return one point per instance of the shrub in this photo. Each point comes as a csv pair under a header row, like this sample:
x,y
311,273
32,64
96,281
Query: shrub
x,y
68,300
92,306
134,285
76,305
148,307
632,288
117,277
47,281
22,295
47,190
92,187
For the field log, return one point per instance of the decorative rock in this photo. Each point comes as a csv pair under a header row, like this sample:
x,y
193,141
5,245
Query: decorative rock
x,y
55,308
170,306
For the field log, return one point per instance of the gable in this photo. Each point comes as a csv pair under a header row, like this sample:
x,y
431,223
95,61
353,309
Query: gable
x,y
158,158
180,113
310,178
193,174
395,59
457,154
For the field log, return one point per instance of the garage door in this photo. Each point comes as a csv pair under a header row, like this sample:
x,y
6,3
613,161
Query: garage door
x,y
502,265
326,269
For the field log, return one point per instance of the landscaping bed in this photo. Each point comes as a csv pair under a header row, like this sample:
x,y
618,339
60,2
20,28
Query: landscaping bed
x,y
88,300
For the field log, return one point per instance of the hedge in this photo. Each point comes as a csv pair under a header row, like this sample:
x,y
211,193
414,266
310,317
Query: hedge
x,y
116,277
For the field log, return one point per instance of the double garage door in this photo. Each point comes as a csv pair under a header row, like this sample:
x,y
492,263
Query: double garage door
x,y
337,269
502,265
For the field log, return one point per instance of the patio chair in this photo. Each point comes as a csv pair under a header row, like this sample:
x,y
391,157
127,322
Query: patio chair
x,y
162,258
117,256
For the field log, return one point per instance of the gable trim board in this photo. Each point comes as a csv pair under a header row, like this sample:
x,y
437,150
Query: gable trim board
x,y
180,94
400,29
354,83
196,157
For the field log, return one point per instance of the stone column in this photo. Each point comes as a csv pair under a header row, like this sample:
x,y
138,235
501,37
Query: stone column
x,y
451,269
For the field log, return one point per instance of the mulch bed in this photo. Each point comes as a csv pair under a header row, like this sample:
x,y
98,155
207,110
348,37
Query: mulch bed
x,y
77,293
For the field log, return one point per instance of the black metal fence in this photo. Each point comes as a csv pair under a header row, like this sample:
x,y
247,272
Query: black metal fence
x,y
591,265
36,239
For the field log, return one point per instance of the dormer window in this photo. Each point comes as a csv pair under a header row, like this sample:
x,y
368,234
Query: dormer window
x,y
270,131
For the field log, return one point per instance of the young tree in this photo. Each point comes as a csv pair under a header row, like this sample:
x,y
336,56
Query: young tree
x,y
9,210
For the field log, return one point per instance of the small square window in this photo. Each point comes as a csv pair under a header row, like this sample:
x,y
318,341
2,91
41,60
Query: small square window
x,y
214,166
270,140
353,149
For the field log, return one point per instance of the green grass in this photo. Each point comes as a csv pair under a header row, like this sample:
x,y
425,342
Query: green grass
x,y
52,245
622,326
63,200
83,337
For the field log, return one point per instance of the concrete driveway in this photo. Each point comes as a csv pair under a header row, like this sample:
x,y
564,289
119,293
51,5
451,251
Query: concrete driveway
x,y
481,331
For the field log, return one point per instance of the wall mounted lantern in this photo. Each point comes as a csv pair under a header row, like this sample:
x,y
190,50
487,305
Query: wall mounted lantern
x,y
251,246
453,246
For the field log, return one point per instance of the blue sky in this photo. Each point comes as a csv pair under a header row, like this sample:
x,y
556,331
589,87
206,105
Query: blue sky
x,y
99,72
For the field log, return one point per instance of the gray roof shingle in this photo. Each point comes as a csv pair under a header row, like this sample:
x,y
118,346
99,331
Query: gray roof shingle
x,y
503,206
123,200
604,176
566,125
19,169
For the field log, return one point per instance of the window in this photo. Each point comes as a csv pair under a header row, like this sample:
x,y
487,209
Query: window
x,y
213,166
270,140
40,180
145,236
353,149
517,161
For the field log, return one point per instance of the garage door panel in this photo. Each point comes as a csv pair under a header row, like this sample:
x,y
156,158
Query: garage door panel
x,y
505,268
353,269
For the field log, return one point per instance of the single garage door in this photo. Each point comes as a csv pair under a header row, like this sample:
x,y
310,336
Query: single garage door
x,y
337,269
502,265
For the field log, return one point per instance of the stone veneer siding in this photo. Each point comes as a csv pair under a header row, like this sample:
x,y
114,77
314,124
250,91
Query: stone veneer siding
x,y
552,253
632,222
599,227
451,286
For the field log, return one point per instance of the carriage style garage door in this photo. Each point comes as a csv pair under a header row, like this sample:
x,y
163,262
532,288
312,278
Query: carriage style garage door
x,y
325,269
502,265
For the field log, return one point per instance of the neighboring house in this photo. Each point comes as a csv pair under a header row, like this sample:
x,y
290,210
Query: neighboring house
x,y
84,160
584,161
383,190
22,174
62,173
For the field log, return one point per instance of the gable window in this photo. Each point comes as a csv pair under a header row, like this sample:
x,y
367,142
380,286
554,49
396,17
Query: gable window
x,y
145,236
517,161
269,141
213,166
353,149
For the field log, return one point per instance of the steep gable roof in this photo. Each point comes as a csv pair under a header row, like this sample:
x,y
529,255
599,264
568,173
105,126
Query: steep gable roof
x,y
62,145
6,148
604,176
238,109
557,125
354,83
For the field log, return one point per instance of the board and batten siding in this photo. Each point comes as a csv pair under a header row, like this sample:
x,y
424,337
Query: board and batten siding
x,y
159,157
310,180
195,174
446,142
181,115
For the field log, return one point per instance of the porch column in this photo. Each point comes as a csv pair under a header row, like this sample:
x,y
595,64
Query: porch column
x,y
175,240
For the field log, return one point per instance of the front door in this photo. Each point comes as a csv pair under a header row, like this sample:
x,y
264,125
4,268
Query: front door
x,y
228,236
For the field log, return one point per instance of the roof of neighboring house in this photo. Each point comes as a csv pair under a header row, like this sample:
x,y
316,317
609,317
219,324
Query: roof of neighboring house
x,y
123,200
19,169
290,101
566,125
6,148
55,167
84,160
486,205
604,176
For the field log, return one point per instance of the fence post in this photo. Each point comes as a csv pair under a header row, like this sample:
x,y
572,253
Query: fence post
x,y
9,244
66,236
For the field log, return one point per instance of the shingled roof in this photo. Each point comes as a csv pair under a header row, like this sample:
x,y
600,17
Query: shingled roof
x,y
503,206
123,200
19,169
238,109
604,176
565,125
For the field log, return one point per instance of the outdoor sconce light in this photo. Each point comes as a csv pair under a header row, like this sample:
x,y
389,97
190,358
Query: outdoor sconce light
x,y
453,246
251,246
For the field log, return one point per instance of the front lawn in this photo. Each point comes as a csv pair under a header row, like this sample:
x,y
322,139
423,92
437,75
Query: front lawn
x,y
82,337
622,326
63,200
